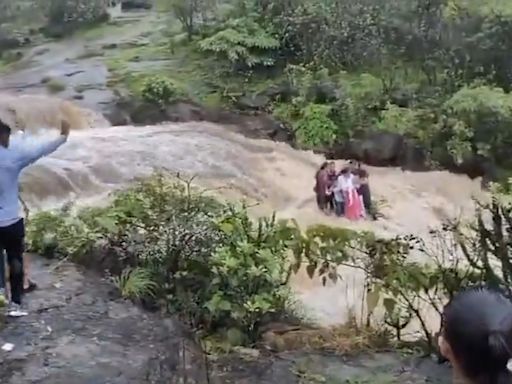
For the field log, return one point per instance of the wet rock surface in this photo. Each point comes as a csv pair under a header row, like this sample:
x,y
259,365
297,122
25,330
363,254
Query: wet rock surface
x,y
79,332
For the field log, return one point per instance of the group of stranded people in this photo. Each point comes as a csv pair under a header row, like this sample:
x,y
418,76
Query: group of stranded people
x,y
345,192
13,160
476,326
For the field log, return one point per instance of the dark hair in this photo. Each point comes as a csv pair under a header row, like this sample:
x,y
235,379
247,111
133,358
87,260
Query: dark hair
x,y
324,165
4,128
344,171
477,324
363,173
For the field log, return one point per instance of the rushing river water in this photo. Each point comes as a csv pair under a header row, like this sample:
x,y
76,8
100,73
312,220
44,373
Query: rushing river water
x,y
98,159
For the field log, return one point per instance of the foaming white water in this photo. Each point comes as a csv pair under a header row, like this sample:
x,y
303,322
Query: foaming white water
x,y
96,161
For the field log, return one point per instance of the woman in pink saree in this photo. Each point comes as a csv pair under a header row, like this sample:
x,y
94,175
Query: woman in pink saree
x,y
353,206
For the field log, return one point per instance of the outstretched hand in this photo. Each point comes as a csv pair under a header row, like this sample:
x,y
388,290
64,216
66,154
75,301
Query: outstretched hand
x,y
64,128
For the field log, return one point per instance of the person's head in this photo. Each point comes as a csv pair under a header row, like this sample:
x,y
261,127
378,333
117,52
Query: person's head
x,y
476,336
352,164
345,172
5,134
324,165
362,173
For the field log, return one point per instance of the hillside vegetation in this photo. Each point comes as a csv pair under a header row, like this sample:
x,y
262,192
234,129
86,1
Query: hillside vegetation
x,y
436,72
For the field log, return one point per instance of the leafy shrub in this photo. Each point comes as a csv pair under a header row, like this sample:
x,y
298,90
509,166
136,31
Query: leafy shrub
x,y
54,234
249,272
364,89
168,245
159,90
315,127
478,121
243,43
396,119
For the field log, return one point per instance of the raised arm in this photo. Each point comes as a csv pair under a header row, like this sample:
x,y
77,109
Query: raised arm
x,y
27,156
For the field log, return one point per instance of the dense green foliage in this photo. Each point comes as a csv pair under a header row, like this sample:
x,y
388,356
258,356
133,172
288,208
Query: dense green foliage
x,y
242,42
159,90
170,246
419,68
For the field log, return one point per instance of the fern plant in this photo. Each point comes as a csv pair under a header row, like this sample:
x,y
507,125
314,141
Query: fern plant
x,y
243,42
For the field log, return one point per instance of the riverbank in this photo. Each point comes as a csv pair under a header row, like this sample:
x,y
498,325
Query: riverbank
x,y
80,331
95,69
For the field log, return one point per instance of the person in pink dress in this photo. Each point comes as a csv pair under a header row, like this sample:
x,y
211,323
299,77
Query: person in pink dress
x,y
353,206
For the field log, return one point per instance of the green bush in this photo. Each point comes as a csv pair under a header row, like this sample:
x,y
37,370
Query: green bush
x,y
399,120
249,273
159,90
243,43
166,244
478,120
315,127
224,272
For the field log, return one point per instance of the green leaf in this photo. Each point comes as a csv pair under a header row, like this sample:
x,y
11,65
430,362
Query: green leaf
x,y
107,223
227,228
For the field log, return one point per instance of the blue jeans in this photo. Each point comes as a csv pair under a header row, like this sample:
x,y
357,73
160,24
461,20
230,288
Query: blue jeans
x,y
339,207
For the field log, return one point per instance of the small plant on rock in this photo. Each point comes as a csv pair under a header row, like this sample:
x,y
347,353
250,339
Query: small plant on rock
x,y
159,90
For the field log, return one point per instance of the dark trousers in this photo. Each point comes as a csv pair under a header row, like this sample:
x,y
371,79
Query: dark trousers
x,y
2,270
12,240
339,207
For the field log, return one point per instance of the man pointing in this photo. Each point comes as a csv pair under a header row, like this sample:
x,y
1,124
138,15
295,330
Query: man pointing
x,y
12,226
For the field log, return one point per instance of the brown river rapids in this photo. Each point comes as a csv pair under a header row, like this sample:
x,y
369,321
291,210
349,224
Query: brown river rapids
x,y
98,159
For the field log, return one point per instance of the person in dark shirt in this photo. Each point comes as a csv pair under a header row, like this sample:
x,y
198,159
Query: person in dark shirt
x,y
321,186
364,192
332,177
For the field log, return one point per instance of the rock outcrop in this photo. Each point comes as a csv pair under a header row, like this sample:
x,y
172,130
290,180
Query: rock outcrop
x,y
136,4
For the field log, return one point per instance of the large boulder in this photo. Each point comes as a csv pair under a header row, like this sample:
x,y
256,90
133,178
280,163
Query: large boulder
x,y
283,92
324,92
260,126
479,166
382,149
255,102
10,41
414,157
66,16
127,5
379,149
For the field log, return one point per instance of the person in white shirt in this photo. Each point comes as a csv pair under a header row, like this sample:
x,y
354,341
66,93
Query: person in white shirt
x,y
12,226
339,188
352,206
